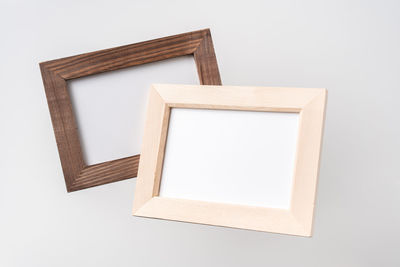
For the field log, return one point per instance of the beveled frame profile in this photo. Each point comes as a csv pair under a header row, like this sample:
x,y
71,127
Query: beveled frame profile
x,y
297,220
55,73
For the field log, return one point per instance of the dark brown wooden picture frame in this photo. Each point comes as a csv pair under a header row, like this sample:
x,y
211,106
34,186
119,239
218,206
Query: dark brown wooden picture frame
x,y
55,74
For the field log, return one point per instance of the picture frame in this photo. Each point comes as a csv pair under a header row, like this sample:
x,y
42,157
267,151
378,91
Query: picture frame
x,y
55,74
309,103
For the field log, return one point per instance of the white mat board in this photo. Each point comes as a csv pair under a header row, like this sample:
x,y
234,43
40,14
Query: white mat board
x,y
237,157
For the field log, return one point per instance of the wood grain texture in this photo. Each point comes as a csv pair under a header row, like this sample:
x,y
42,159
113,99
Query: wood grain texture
x,y
55,73
297,220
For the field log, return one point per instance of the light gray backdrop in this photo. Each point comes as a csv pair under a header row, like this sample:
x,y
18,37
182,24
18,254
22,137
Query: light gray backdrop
x,y
349,47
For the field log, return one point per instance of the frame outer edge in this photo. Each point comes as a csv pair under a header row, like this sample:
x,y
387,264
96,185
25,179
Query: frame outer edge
x,y
206,61
70,169
149,152
307,220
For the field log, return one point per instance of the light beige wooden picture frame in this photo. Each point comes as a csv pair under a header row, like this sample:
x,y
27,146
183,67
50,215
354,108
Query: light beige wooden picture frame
x,y
309,103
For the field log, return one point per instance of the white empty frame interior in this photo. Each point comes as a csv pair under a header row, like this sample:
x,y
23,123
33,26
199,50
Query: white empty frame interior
x,y
247,156
110,107
243,157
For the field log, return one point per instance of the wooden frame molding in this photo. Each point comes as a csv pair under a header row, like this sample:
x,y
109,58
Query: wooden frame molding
x,y
297,220
55,74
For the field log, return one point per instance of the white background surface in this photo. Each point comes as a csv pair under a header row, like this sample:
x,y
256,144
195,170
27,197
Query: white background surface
x,y
229,156
111,107
350,47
